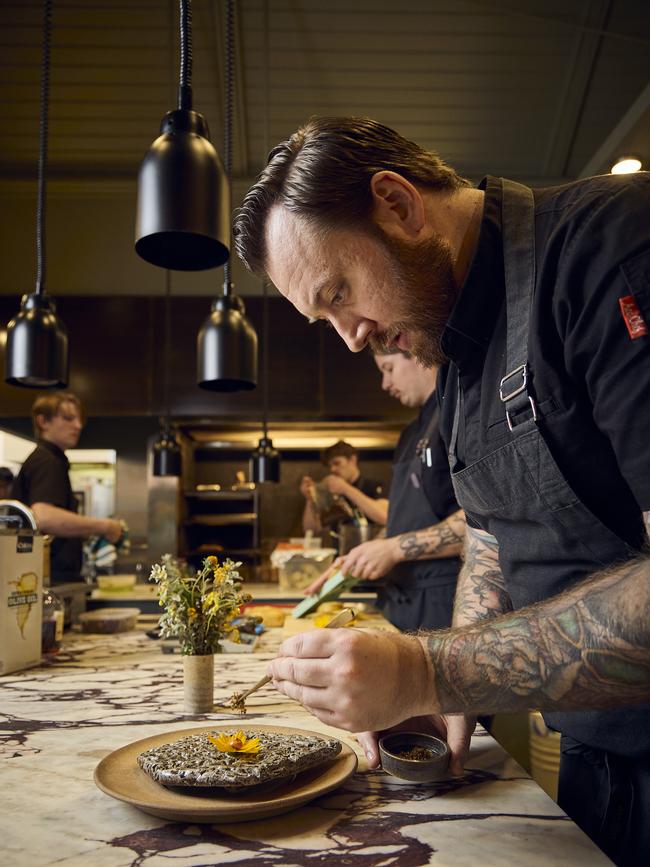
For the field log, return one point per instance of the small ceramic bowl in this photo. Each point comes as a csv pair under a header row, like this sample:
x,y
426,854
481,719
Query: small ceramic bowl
x,y
433,766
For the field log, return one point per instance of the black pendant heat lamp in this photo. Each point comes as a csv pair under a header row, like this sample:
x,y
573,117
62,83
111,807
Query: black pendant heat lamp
x,y
264,462
166,450
37,342
227,342
183,214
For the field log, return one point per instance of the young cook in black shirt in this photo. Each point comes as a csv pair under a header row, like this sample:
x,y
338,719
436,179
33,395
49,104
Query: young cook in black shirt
x,y
43,484
541,301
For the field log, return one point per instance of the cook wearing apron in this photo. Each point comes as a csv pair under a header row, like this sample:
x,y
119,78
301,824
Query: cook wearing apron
x,y
527,426
420,593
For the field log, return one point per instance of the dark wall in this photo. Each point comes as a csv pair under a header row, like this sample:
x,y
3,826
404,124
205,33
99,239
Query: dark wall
x,y
117,364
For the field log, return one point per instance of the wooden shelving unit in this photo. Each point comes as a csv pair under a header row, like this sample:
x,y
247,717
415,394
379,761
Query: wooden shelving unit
x,y
223,522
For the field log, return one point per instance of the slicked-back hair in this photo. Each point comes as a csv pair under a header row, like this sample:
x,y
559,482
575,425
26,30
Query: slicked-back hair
x,y
323,173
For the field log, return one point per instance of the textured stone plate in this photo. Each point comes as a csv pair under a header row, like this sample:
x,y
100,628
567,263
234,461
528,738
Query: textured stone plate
x,y
193,761
119,776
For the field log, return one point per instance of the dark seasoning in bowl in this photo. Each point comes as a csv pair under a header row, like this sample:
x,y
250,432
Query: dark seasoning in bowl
x,y
414,756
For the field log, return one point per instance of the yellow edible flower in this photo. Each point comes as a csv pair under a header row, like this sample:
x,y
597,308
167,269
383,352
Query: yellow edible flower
x,y
237,743
191,613
212,560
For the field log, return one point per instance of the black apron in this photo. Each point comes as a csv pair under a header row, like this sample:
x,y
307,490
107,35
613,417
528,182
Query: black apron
x,y
548,539
418,593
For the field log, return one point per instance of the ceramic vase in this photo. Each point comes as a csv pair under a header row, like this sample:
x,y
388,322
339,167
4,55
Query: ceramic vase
x,y
198,683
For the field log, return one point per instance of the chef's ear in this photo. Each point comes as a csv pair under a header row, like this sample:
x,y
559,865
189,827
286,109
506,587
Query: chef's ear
x,y
398,206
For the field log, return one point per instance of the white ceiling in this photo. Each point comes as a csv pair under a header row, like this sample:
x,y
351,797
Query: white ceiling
x,y
538,90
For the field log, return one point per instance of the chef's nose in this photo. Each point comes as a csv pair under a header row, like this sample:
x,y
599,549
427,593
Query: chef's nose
x,y
353,331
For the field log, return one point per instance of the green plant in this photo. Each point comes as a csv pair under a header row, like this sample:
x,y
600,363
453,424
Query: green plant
x,y
199,606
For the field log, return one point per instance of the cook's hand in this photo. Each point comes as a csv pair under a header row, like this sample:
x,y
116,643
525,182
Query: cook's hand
x,y
307,485
358,680
456,729
336,485
317,583
371,560
112,530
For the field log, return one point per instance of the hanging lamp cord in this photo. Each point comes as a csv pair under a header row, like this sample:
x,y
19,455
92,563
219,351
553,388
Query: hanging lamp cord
x,y
168,333
42,148
185,79
227,127
265,286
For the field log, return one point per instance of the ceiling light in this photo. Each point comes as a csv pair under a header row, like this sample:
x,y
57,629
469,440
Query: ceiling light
x,y
626,165
227,342
37,342
183,214
166,452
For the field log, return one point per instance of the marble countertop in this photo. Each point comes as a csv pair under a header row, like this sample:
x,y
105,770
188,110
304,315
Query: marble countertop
x,y
103,692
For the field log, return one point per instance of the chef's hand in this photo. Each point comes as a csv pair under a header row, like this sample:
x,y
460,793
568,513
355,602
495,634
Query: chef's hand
x,y
112,530
307,486
371,560
336,485
358,680
456,729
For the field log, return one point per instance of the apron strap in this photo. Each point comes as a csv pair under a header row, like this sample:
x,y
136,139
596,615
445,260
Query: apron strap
x,y
423,448
519,265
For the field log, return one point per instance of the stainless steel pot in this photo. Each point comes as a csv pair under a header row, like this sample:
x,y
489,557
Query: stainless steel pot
x,y
350,535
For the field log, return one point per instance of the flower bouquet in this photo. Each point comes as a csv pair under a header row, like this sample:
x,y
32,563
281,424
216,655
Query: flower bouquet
x,y
199,609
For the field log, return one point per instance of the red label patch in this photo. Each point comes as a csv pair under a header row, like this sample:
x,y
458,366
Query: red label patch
x,y
633,317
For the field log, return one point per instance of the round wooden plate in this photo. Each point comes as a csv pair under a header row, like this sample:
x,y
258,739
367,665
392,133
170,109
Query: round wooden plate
x,y
120,776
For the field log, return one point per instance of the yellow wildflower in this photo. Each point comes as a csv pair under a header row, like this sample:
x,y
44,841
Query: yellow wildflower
x,y
237,743
212,560
220,574
191,613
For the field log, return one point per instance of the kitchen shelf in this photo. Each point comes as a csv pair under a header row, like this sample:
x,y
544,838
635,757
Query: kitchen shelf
x,y
218,495
206,549
223,520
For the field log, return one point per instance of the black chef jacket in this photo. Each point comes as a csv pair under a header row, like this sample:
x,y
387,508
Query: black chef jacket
x,y
43,478
589,364
589,344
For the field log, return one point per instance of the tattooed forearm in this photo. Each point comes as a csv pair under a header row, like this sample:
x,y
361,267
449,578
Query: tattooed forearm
x,y
587,648
440,540
480,593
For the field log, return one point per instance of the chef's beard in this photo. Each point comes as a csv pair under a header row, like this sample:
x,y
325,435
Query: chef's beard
x,y
424,292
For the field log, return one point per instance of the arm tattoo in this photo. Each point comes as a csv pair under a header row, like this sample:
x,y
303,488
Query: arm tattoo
x,y
481,592
587,648
440,540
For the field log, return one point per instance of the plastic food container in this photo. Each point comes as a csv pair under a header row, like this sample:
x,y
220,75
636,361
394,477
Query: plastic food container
x,y
297,569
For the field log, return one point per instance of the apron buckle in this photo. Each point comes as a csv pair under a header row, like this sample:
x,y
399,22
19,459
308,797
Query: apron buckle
x,y
523,370
521,388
